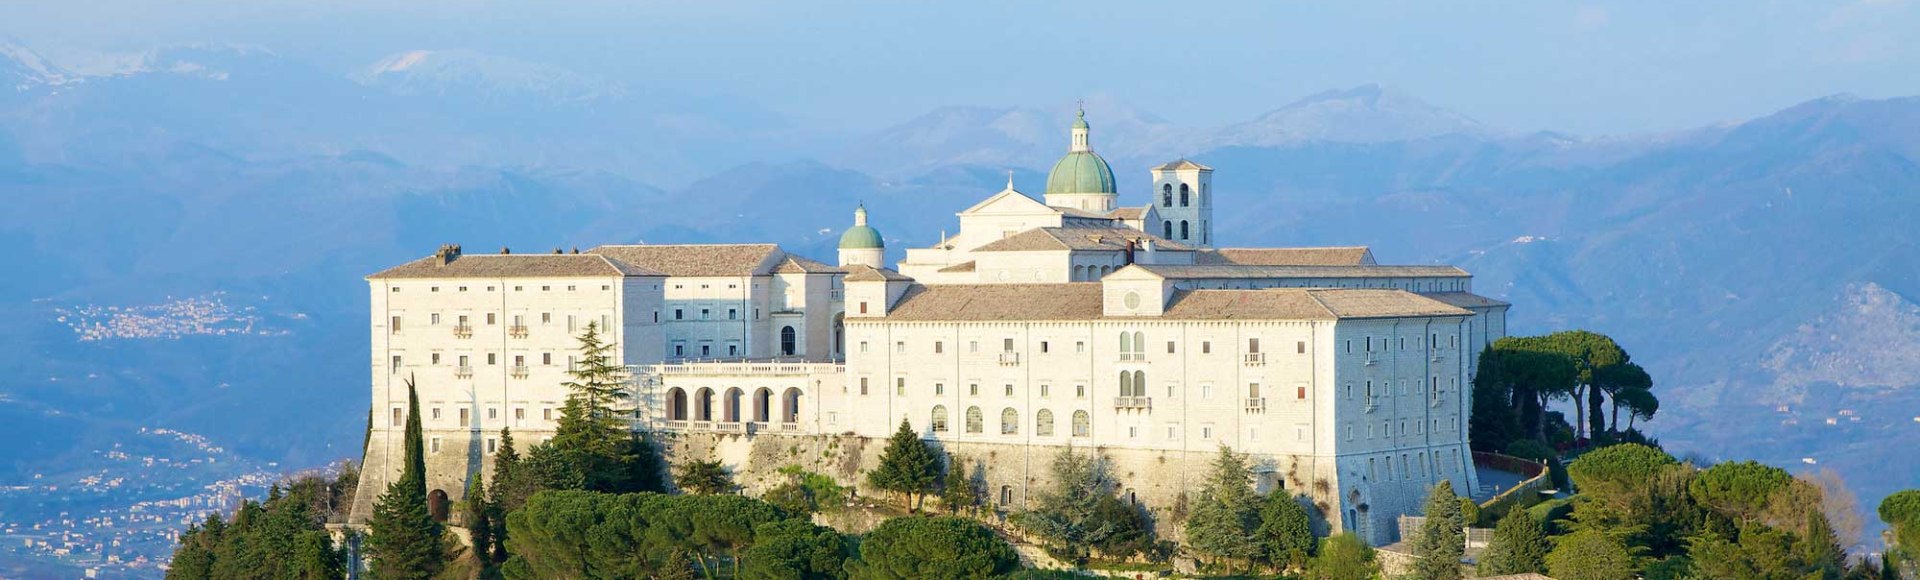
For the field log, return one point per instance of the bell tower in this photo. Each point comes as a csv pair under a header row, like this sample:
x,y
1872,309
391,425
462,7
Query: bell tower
x,y
1183,196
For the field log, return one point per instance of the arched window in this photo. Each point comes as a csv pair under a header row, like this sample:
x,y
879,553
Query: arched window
x,y
1169,234
1081,424
1183,229
1006,495
703,405
1009,421
1126,384
1043,423
786,341
975,422
1140,345
1166,195
792,412
1183,195
1139,383
939,419
676,405
437,505
1126,343
762,405
731,403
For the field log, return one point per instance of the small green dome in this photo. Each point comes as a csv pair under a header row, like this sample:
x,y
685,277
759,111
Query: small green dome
x,y
1081,172
861,236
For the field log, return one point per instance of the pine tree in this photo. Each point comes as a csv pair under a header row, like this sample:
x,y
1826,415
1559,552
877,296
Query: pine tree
x,y
1442,542
1285,532
956,491
1068,512
907,466
512,485
479,521
1519,546
1226,513
406,543
593,447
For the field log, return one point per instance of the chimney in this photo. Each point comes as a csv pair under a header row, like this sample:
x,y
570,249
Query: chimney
x,y
448,253
1129,252
505,250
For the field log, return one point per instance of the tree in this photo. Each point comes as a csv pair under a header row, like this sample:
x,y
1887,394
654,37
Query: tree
x,y
1614,380
1615,472
703,477
956,490
1519,546
1901,512
1590,555
1066,513
1739,490
907,466
795,549
1442,540
1225,513
479,521
1640,404
932,547
1285,532
1343,557
1534,373
593,447
406,542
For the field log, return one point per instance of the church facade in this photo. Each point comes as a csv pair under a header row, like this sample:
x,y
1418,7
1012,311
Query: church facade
x,y
1070,320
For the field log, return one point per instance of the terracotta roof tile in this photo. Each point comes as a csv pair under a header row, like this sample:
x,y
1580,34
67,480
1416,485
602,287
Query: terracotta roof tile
x,y
1082,301
1465,299
1329,256
801,265
861,273
697,259
1090,239
1363,271
515,266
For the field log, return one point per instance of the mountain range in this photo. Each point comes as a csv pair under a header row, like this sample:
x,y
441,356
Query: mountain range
x,y
1763,269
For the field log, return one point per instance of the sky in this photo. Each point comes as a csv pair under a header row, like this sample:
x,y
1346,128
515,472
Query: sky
x,y
1581,68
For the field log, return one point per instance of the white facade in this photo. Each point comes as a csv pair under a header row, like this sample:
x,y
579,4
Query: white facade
x,y
1035,327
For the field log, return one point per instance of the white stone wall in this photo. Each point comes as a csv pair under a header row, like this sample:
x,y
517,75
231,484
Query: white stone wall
x,y
1198,212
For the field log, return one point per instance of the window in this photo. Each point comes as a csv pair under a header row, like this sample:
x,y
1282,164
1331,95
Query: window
x,y
1006,345
436,359
1300,392
679,350
1009,421
863,346
1253,390
396,364
546,414
679,314
463,360
1079,347
1184,192
436,444
434,318
973,346
1173,432
519,413
939,419
520,361
490,317
1184,234
493,358
1253,346
493,413
1206,392
434,413
1166,195
1081,424
1300,347
733,314
1043,390
1043,423
863,386
492,444
1079,391
706,314
939,389
863,307
975,422
900,346
463,418
939,347
1169,347
1206,347
395,324
706,350
900,386
1043,347
788,338
1206,432
973,389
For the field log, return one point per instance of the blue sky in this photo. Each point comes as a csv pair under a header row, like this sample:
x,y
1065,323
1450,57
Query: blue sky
x,y
1586,68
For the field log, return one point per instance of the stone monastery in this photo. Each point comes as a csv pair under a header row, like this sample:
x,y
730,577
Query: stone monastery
x,y
1069,320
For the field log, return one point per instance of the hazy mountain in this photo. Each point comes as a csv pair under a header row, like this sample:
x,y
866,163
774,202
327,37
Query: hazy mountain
x,y
1749,265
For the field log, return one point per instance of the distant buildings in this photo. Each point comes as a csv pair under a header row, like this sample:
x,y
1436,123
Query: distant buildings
x,y
1069,320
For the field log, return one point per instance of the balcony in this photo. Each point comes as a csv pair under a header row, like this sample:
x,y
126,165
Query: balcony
x,y
1372,360
1133,403
1257,405
1370,406
463,331
463,372
1254,359
517,331
519,371
1008,359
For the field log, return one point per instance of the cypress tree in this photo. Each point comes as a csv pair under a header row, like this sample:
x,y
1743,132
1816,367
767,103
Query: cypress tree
x,y
1442,542
1519,546
956,491
406,543
479,520
907,466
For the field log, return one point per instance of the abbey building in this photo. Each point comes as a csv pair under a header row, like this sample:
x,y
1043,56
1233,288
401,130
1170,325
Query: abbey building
x,y
1067,319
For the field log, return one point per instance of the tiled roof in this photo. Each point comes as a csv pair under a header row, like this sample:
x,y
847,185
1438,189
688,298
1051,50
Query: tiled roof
x,y
1082,301
801,265
1077,212
1181,164
1238,271
1329,256
1128,213
515,266
1465,299
697,259
862,273
966,266
1044,239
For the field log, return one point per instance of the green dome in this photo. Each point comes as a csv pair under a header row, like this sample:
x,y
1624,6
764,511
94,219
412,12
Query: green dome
x,y
861,238
1081,172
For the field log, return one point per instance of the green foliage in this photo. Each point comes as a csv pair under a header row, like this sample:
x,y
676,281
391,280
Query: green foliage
x,y
1590,555
957,492
1343,557
281,538
703,477
1442,541
932,547
1550,513
593,448
907,466
1469,511
1519,546
406,542
1901,512
822,491
1738,490
1530,449
479,520
795,550
1225,513
1614,472
1078,511
575,534
1285,533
